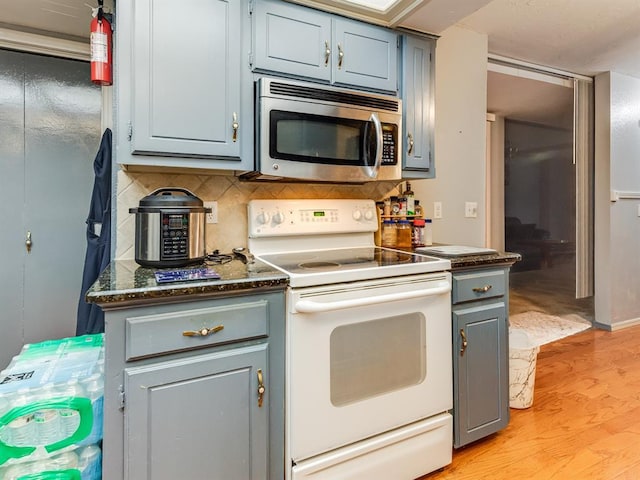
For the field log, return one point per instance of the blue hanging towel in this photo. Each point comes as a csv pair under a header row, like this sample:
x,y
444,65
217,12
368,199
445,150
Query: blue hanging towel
x,y
90,317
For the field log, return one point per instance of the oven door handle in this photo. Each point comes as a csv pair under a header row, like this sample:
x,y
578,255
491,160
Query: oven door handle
x,y
309,306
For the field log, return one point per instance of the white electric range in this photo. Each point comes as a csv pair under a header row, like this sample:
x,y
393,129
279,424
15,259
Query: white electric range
x,y
368,350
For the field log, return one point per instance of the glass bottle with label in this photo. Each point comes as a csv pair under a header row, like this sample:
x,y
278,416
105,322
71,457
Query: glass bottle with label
x,y
419,211
389,234
404,234
417,233
410,200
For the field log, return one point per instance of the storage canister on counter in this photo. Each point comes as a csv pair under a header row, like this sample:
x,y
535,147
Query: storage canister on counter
x,y
428,232
404,234
389,234
417,233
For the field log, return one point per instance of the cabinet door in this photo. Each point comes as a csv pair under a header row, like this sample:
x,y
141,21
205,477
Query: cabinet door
x,y
481,375
186,77
198,417
364,55
292,39
418,106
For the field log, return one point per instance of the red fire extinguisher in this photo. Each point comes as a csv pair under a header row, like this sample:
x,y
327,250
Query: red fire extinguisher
x,y
101,71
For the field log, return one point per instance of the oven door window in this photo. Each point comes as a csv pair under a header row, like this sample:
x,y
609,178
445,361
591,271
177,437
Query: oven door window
x,y
376,357
321,139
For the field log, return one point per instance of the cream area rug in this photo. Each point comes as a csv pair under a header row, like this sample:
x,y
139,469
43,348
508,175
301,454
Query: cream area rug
x,y
543,328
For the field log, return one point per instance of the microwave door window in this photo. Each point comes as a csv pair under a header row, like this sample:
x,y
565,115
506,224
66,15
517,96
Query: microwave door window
x,y
316,139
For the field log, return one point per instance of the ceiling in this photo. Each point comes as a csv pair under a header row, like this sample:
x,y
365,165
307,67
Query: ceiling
x,y
579,36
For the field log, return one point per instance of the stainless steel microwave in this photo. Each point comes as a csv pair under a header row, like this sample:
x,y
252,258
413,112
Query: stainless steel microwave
x,y
318,133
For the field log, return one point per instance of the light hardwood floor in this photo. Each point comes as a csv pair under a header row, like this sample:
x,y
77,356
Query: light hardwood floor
x,y
584,422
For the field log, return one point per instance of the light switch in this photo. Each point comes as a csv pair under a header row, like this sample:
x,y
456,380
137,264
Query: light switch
x,y
437,209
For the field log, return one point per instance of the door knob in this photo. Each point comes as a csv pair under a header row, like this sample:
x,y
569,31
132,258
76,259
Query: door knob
x,y
28,242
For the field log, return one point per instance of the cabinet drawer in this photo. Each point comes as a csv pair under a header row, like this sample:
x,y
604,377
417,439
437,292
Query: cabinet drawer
x,y
148,335
478,285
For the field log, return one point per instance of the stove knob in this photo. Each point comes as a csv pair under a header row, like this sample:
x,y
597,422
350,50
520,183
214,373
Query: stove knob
x,y
263,218
368,215
278,218
357,215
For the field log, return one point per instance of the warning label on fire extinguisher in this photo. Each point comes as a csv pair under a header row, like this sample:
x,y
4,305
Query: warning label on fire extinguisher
x,y
99,47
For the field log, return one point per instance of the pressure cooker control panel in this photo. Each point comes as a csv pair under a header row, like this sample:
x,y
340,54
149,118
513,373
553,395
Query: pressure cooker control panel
x,y
175,236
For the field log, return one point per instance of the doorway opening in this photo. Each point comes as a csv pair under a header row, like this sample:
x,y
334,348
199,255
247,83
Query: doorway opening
x,y
538,211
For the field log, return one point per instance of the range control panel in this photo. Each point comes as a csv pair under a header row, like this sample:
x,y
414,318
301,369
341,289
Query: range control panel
x,y
271,218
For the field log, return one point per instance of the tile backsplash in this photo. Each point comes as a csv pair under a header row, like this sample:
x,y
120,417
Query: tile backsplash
x,y
232,196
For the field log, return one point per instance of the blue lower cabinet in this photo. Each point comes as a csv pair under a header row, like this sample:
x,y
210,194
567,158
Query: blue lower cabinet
x,y
480,355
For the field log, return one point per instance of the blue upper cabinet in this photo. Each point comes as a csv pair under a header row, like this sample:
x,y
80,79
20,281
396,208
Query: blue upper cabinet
x,y
365,55
417,90
291,39
301,42
183,86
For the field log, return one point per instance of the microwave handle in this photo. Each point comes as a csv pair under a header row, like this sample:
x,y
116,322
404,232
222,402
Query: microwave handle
x,y
372,171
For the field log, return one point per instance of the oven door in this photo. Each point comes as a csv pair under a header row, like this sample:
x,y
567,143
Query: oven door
x,y
365,358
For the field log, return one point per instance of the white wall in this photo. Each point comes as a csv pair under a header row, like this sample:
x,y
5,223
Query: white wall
x,y
617,224
460,138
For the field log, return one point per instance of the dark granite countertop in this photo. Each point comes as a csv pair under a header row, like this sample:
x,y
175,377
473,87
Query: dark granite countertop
x,y
500,259
125,283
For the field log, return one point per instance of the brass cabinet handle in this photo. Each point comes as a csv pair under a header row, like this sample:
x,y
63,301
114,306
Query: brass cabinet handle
x,y
327,53
340,56
261,388
483,289
235,125
204,332
28,242
465,344
410,150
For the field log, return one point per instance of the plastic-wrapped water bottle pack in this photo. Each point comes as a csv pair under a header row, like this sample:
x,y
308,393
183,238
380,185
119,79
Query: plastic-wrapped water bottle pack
x,y
51,410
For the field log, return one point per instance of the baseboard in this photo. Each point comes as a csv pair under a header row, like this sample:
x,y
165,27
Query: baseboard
x,y
618,325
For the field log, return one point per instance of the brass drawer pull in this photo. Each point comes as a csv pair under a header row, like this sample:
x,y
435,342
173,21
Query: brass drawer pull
x,y
203,332
410,138
484,289
235,126
465,344
261,388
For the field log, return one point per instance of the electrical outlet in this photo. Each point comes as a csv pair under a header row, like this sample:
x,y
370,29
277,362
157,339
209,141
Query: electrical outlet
x,y
437,209
212,217
471,209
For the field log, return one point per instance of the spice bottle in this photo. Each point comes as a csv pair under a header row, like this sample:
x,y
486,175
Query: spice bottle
x,y
417,233
389,234
428,239
404,234
419,211
410,200
387,207
396,206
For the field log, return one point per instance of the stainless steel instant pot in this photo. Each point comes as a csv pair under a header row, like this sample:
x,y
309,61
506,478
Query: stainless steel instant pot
x,y
170,228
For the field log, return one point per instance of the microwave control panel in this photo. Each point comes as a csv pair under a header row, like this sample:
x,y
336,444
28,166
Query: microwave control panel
x,y
175,236
389,144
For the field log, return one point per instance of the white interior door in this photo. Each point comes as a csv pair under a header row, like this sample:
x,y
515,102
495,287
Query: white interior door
x,y
49,135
